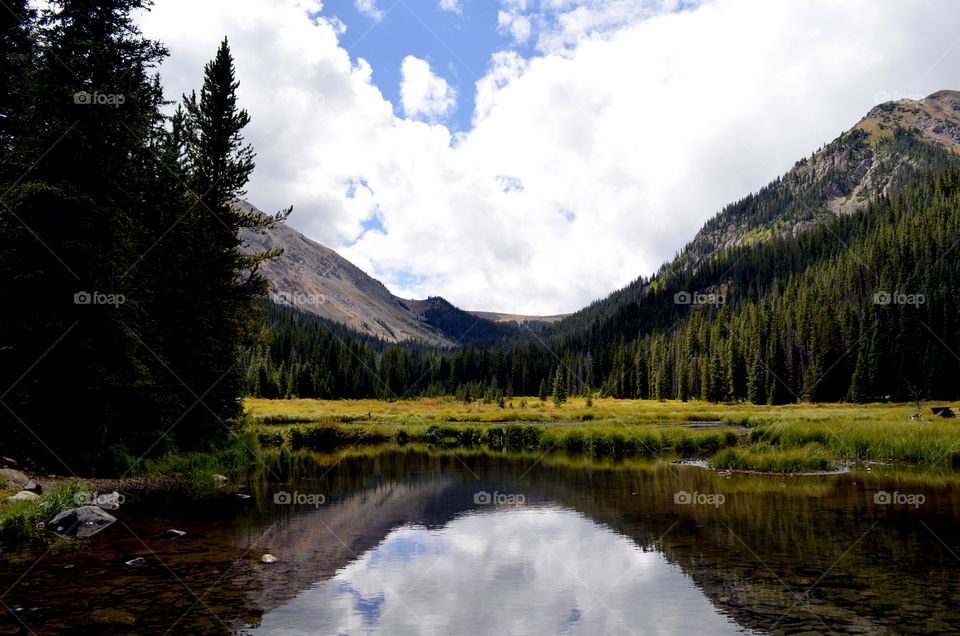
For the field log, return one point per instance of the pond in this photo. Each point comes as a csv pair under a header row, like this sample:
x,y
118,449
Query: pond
x,y
412,540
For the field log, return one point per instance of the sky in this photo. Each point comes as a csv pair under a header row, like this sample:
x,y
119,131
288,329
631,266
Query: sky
x,y
531,156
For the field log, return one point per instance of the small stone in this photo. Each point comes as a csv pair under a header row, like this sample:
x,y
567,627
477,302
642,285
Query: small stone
x,y
69,567
269,558
24,495
219,479
240,495
137,561
33,487
174,534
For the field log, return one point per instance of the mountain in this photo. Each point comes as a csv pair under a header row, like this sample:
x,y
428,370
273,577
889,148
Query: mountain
x,y
893,145
837,281
317,280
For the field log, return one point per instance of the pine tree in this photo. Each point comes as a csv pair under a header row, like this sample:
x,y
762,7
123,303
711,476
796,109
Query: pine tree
x,y
218,164
559,387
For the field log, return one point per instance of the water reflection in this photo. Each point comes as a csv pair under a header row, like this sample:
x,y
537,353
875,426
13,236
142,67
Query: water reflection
x,y
401,544
541,570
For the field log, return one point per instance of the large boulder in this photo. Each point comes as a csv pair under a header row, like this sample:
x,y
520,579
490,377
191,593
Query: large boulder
x,y
14,478
81,522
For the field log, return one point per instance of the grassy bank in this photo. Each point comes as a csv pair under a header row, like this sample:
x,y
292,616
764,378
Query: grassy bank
x,y
19,519
234,458
788,438
595,439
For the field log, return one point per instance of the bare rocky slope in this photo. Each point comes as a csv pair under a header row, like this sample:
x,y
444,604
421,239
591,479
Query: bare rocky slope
x,y
317,280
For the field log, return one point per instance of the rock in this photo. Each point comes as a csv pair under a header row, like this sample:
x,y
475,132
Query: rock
x,y
14,478
137,561
7,460
240,495
23,495
33,486
112,616
269,558
174,534
219,479
81,522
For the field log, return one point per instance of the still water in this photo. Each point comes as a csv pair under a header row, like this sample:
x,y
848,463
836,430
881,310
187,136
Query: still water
x,y
414,541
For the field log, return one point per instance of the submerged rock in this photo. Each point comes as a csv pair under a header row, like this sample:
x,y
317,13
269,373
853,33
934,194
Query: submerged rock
x,y
240,495
174,534
81,522
112,616
137,561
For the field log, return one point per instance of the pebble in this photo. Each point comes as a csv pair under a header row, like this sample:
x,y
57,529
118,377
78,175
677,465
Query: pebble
x,y
269,558
173,534
137,561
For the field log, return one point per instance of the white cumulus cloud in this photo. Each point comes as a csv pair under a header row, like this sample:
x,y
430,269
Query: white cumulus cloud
x,y
369,8
422,93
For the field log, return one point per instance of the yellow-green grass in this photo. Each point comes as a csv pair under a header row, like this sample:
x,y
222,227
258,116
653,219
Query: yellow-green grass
x,y
934,441
600,439
767,459
432,410
881,431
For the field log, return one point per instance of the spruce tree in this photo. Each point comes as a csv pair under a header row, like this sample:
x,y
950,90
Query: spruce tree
x,y
218,164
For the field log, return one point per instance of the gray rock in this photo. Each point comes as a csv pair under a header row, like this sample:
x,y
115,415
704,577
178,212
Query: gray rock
x,y
269,558
33,486
175,534
137,561
13,477
81,522
242,496
24,495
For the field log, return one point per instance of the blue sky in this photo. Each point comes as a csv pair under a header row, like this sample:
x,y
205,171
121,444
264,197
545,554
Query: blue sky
x,y
457,45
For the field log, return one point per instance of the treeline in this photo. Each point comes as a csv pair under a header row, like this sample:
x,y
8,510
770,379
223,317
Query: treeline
x,y
860,307
125,300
